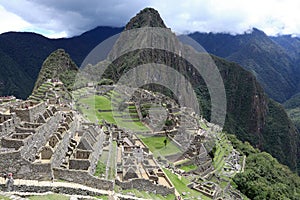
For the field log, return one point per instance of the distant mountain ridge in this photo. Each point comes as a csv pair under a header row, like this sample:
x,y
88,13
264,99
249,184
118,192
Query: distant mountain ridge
x,y
22,56
273,60
273,65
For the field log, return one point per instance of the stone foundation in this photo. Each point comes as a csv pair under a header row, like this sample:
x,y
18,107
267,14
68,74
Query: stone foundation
x,y
145,185
82,177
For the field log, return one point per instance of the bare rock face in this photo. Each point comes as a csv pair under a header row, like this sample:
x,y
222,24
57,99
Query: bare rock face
x,y
147,17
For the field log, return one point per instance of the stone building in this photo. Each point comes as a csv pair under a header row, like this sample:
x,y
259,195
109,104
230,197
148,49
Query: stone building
x,y
137,168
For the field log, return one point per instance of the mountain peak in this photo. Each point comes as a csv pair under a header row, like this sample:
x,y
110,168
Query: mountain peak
x,y
58,65
147,17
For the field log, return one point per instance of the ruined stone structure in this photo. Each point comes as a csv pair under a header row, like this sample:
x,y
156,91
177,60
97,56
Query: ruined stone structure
x,y
45,139
137,168
7,99
8,123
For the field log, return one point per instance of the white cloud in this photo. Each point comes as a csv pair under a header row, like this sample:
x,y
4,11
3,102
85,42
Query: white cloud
x,y
57,18
11,22
235,16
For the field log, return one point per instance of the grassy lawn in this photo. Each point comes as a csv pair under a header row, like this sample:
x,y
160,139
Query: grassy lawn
x,y
95,103
181,185
188,168
157,147
4,198
50,197
100,168
91,105
134,126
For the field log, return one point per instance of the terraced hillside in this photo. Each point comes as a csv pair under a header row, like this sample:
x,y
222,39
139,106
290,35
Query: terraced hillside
x,y
102,110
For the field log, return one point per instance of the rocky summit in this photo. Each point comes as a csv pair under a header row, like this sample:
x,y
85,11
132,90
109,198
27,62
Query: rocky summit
x,y
147,17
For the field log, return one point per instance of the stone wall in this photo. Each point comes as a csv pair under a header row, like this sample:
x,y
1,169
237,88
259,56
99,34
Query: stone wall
x,y
79,164
62,146
82,177
31,113
40,138
55,189
11,161
98,147
8,142
39,171
145,185
7,123
23,169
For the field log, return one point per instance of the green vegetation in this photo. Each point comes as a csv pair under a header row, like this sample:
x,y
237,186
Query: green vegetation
x,y
105,81
264,177
293,102
142,19
58,65
188,168
294,115
251,115
263,122
292,107
157,146
4,198
220,150
99,107
281,138
103,197
256,52
203,125
100,168
50,197
181,185
90,106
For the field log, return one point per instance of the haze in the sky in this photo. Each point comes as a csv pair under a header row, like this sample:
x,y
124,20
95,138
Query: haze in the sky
x,y
65,18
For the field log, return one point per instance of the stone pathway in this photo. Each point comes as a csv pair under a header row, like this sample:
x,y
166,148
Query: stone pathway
x,y
16,195
57,184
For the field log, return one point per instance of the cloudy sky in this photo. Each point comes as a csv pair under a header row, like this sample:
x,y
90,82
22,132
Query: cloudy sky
x,y
65,18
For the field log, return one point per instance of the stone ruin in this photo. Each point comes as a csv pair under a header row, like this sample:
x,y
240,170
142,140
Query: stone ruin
x,y
137,168
7,99
43,140
47,140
